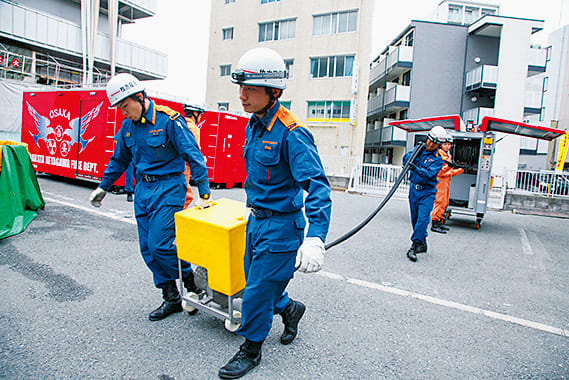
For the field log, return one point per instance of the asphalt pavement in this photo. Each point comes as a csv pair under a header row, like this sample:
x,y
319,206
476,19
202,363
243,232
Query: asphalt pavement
x,y
480,304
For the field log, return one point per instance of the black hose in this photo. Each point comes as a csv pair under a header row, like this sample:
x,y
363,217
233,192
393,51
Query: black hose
x,y
419,148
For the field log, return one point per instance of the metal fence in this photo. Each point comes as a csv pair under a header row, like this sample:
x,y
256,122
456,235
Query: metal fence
x,y
377,179
545,182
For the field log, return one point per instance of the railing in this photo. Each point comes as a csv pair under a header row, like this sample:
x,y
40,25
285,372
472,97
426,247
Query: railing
x,y
545,182
485,76
476,114
377,179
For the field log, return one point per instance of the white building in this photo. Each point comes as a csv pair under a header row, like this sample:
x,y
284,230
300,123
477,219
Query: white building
x,y
326,47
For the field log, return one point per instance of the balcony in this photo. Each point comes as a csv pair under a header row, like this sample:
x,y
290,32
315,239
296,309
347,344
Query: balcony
x,y
375,105
482,77
373,137
396,98
475,115
56,34
392,135
131,10
397,60
537,61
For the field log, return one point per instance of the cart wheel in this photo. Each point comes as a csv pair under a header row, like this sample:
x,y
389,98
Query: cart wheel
x,y
190,309
232,327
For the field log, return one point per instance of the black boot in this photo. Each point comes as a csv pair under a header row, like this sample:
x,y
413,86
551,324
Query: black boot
x,y
444,227
421,247
129,197
247,358
172,303
412,253
436,226
291,316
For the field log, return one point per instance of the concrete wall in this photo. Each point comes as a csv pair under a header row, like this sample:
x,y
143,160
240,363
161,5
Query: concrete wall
x,y
537,204
437,74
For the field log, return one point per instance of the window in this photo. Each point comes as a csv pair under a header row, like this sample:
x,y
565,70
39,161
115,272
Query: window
x,y
406,79
335,66
470,15
222,106
229,1
329,111
545,84
269,1
225,70
486,11
289,66
277,30
455,14
333,23
286,104
228,33
409,39
548,54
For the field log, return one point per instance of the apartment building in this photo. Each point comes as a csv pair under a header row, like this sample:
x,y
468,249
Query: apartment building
x,y
551,93
326,48
441,68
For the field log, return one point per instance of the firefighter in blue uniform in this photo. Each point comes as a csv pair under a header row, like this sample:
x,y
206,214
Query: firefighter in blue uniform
x,y
282,163
423,188
158,142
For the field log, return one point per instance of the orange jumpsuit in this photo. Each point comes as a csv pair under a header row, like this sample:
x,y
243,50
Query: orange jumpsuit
x,y
443,187
196,132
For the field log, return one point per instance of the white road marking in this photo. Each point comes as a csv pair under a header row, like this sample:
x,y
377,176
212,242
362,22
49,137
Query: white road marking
x,y
448,304
526,247
382,288
94,211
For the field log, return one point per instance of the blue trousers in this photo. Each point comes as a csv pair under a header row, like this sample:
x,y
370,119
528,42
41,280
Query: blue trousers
x,y
155,204
421,204
270,254
129,178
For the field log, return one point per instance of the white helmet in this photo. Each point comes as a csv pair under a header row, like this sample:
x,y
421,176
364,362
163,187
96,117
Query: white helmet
x,y
121,86
262,67
437,134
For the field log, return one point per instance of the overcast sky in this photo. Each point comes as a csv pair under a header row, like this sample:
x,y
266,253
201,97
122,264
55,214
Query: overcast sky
x,y
181,29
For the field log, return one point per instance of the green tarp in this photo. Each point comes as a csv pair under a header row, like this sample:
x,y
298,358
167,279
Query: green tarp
x,y
20,195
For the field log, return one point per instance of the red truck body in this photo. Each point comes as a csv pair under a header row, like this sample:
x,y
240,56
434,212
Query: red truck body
x,y
70,133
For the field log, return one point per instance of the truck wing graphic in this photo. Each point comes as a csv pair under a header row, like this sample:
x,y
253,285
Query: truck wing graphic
x,y
79,126
42,125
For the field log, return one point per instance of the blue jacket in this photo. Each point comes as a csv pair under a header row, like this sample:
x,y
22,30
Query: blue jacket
x,y
428,164
158,145
282,161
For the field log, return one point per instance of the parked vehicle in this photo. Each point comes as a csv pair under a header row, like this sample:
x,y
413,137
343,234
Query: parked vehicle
x,y
70,133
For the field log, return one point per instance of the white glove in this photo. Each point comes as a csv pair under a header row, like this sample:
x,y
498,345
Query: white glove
x,y
310,256
204,203
97,196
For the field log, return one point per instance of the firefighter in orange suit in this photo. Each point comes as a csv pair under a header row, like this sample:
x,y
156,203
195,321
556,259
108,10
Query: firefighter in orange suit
x,y
192,118
443,187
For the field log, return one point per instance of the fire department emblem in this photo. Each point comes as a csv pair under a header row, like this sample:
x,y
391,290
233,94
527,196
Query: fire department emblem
x,y
64,148
52,146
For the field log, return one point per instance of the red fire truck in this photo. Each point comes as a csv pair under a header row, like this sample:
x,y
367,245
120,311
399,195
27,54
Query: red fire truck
x,y
70,134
